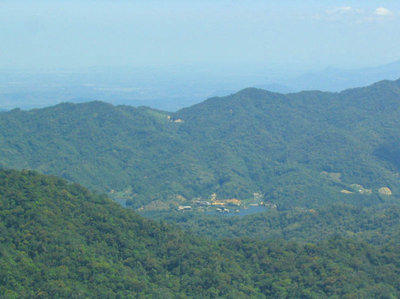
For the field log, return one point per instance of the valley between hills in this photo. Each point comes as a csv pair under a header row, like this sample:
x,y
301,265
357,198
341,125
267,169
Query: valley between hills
x,y
301,150
322,170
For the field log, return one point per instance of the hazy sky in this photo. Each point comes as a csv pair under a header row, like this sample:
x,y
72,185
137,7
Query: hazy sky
x,y
300,34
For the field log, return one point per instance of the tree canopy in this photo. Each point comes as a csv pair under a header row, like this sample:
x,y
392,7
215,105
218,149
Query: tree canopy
x,y
60,240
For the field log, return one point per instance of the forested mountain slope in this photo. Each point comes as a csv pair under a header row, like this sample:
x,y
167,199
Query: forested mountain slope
x,y
59,240
305,149
376,225
284,142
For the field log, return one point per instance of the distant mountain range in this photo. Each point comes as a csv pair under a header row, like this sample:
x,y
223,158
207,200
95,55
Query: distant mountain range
x,y
171,88
302,149
335,79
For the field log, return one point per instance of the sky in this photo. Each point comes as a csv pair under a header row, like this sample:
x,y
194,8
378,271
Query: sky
x,y
282,34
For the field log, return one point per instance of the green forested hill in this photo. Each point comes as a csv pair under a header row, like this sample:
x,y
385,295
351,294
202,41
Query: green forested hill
x,y
284,142
297,150
59,240
97,144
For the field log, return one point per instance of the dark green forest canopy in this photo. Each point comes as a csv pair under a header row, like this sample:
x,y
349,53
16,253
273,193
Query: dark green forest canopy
x,y
376,225
297,150
59,240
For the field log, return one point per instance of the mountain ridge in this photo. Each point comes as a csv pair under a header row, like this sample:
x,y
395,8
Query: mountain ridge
x,y
244,91
253,141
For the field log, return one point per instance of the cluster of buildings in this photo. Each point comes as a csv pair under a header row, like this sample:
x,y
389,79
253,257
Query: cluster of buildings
x,y
220,205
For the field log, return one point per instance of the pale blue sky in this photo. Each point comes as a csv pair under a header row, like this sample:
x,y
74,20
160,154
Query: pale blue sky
x,y
279,34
